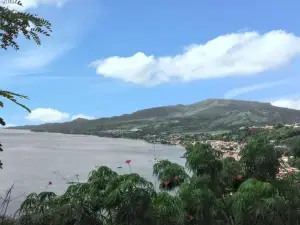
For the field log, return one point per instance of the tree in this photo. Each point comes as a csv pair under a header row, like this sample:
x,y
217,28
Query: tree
x,y
168,209
295,147
199,199
203,159
259,159
12,23
129,197
257,202
231,170
170,175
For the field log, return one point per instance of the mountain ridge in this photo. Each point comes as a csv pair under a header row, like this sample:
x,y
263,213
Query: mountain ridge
x,y
209,114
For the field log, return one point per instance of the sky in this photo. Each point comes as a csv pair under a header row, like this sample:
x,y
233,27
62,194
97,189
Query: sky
x,y
110,57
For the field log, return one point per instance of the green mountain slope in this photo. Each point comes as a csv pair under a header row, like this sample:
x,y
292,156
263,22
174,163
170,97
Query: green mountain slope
x,y
207,115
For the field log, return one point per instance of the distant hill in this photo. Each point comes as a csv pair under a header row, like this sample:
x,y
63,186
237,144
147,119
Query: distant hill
x,y
207,115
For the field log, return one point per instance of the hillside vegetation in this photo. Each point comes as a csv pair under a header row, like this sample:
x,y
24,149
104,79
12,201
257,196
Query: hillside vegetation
x,y
207,115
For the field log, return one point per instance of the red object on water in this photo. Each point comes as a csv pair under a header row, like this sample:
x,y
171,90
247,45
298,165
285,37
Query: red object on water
x,y
49,182
128,161
166,182
176,177
190,218
239,177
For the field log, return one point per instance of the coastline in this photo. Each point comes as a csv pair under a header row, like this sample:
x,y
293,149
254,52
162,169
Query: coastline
x,y
151,139
106,136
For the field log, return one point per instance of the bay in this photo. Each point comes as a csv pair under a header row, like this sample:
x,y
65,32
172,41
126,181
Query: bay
x,y
32,159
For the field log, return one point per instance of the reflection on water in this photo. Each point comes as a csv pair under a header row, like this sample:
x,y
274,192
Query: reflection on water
x,y
31,160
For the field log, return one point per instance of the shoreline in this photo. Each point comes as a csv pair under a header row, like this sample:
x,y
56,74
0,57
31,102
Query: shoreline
x,y
94,135
113,137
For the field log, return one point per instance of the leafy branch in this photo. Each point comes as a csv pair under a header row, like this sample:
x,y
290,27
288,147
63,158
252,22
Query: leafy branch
x,y
11,96
13,22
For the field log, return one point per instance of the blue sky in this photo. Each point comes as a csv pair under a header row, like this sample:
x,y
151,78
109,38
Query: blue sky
x,y
107,58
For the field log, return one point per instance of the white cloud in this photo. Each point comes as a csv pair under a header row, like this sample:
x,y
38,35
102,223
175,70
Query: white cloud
x,y
235,54
32,4
287,103
47,115
82,116
243,90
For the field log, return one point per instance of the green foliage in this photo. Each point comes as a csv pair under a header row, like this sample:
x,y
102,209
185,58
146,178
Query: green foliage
x,y
231,169
295,162
171,173
255,199
260,159
295,146
13,22
203,159
199,199
13,98
168,209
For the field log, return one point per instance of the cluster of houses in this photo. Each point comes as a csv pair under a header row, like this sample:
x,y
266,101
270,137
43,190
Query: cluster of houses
x,y
232,149
270,127
285,168
225,146
295,126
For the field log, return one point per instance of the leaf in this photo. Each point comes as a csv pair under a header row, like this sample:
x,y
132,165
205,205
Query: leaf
x,y
11,96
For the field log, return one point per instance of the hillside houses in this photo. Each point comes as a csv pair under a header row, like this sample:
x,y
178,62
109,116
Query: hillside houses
x,y
268,127
225,145
232,149
295,125
271,127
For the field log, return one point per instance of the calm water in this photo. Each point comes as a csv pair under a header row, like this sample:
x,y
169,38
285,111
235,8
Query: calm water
x,y
32,159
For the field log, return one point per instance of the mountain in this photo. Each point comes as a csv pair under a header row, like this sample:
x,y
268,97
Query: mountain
x,y
207,115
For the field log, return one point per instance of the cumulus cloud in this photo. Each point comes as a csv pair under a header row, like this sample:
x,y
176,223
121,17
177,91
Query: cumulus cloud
x,y
31,4
82,116
47,115
235,54
287,103
243,90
